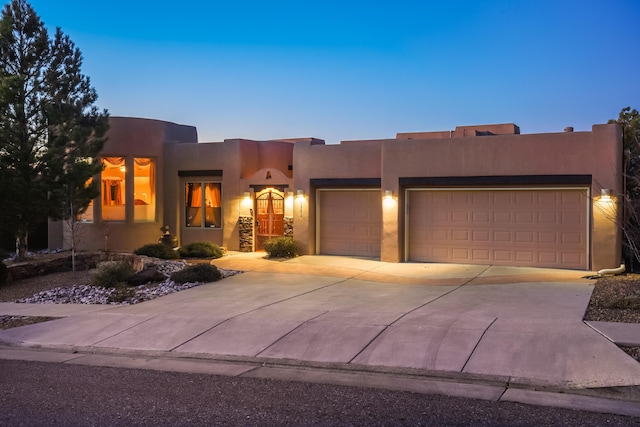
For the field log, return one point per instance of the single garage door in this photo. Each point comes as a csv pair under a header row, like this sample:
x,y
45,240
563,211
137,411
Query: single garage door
x,y
520,227
349,222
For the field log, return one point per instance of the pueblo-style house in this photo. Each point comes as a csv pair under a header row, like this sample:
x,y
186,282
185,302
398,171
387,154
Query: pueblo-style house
x,y
474,195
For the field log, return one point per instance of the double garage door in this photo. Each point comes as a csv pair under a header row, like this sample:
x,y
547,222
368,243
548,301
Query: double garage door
x,y
537,227
519,227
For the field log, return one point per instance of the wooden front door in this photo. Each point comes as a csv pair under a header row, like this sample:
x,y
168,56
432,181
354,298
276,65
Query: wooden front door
x,y
270,216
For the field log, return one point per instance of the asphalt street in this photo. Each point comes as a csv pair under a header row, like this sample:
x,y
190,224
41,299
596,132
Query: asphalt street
x,y
54,394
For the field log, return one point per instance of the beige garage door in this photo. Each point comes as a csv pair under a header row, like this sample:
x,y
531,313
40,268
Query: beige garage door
x,y
349,222
541,228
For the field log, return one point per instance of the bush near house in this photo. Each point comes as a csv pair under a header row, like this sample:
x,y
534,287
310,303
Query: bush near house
x,y
200,250
157,250
281,247
112,274
197,273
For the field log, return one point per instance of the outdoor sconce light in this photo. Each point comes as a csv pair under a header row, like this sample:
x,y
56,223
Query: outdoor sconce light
x,y
300,199
605,194
246,200
289,203
388,201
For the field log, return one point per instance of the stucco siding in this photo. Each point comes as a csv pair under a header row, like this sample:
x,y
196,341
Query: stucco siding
x,y
130,137
384,168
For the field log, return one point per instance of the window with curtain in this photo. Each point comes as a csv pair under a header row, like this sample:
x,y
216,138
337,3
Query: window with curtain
x,y
144,189
113,189
203,205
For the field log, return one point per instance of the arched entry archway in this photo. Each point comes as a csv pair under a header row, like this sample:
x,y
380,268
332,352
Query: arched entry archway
x,y
269,216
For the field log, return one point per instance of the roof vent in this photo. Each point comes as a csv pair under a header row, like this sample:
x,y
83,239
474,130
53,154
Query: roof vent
x,y
568,129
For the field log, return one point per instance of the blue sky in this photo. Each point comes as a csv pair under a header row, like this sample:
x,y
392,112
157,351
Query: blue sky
x,y
341,70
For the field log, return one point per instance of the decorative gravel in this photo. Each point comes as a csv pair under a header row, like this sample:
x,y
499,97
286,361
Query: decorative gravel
x,y
89,294
615,299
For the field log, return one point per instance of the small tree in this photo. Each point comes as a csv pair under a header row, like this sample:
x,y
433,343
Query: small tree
x,y
629,120
74,234
50,131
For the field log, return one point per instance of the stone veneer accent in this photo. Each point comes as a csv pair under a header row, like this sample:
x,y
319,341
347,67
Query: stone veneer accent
x,y
288,226
245,224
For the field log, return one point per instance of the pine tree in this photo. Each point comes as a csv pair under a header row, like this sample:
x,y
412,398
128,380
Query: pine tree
x,y
50,130
629,121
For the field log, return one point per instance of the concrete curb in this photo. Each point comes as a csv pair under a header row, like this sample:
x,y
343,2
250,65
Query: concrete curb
x,y
472,386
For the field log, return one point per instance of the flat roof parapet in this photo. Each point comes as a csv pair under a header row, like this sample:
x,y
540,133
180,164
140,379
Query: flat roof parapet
x,y
464,132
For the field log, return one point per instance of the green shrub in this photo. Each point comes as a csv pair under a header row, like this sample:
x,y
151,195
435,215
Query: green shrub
x,y
200,250
4,273
157,250
197,273
112,274
281,247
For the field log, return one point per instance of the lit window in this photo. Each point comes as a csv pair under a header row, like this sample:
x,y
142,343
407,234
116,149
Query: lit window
x,y
113,185
144,189
203,207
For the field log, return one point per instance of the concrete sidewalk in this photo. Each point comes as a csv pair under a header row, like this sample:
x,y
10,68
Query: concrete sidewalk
x,y
519,328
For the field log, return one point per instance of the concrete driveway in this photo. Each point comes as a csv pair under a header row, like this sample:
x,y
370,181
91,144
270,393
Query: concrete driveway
x,y
521,323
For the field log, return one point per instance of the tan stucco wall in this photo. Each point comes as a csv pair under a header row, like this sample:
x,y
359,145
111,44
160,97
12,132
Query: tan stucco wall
x,y
355,159
257,155
463,132
207,157
597,153
131,137
240,161
293,164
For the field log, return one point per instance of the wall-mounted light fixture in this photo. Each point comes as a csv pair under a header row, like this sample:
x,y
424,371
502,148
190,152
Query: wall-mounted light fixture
x,y
388,202
300,199
245,204
289,209
605,194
